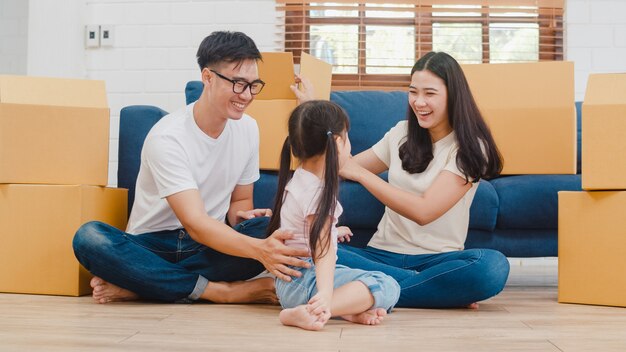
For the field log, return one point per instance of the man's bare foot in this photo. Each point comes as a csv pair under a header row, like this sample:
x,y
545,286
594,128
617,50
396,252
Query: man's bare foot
x,y
300,317
253,291
473,306
105,292
370,317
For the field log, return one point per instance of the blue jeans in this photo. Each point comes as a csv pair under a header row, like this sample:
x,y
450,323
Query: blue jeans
x,y
442,280
166,265
300,290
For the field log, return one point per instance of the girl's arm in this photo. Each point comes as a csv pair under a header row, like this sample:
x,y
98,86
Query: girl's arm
x,y
325,273
447,189
241,205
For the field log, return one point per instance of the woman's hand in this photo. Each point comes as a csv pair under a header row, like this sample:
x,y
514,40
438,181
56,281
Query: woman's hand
x,y
350,169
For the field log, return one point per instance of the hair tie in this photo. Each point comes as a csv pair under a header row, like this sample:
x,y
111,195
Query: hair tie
x,y
329,133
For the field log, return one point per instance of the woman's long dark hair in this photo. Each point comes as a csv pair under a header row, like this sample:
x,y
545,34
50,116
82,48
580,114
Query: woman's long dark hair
x,y
313,126
478,156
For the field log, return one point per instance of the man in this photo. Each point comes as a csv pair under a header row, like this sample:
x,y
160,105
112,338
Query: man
x,y
198,166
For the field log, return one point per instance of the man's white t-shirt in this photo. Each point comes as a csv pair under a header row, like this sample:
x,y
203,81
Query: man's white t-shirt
x,y
400,235
177,156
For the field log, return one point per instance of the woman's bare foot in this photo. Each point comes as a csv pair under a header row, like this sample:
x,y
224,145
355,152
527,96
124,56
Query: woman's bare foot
x,y
300,317
105,292
473,306
370,317
253,291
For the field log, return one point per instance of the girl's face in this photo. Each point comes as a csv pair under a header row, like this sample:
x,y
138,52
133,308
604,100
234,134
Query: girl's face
x,y
428,97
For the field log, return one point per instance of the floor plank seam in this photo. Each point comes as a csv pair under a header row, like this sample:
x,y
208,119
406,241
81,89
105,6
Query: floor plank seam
x,y
128,337
553,344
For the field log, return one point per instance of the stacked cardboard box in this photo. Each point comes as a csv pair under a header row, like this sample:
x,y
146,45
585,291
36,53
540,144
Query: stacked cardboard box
x,y
272,107
592,223
54,146
530,110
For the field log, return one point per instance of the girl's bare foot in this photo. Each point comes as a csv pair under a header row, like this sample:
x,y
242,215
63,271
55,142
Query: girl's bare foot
x,y
105,292
300,317
370,317
473,306
253,291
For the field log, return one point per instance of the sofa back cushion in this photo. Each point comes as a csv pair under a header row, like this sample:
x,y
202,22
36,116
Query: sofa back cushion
x,y
193,89
135,123
371,113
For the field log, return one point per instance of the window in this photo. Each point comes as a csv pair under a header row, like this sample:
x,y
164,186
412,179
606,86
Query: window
x,y
374,44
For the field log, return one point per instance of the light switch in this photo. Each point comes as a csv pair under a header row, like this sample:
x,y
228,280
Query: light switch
x,y
92,36
107,33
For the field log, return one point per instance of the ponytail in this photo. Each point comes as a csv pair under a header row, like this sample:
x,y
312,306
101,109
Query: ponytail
x,y
328,201
284,175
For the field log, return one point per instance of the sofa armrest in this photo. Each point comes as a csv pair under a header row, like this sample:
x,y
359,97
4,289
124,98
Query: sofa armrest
x,y
135,123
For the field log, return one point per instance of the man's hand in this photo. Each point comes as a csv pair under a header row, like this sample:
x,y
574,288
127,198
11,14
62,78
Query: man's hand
x,y
343,234
251,214
276,257
307,93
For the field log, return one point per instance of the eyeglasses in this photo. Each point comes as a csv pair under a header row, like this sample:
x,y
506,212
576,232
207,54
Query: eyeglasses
x,y
240,86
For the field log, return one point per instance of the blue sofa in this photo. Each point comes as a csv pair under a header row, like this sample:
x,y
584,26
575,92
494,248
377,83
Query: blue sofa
x,y
516,215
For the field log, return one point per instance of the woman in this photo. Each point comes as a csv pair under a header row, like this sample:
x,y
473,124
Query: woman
x,y
435,160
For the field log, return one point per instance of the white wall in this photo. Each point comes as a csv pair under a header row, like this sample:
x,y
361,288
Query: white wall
x,y
595,38
153,55
155,43
55,38
13,36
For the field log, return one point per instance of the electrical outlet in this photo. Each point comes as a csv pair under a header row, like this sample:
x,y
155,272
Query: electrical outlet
x,y
107,35
92,36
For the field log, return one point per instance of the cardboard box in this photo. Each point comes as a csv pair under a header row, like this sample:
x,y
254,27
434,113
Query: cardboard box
x,y
37,225
592,248
272,107
530,110
603,131
53,131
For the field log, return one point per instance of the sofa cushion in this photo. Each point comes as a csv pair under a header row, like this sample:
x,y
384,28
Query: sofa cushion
x,y
531,201
265,190
193,89
362,209
135,123
484,209
371,113
516,242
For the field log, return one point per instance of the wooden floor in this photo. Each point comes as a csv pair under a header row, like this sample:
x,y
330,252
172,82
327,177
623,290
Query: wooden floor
x,y
524,317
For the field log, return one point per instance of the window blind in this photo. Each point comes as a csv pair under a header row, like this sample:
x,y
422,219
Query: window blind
x,y
374,44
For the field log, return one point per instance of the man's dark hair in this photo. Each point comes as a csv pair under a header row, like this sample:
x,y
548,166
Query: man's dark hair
x,y
224,46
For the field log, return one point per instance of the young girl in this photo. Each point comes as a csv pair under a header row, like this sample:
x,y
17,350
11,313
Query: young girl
x,y
306,203
435,160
